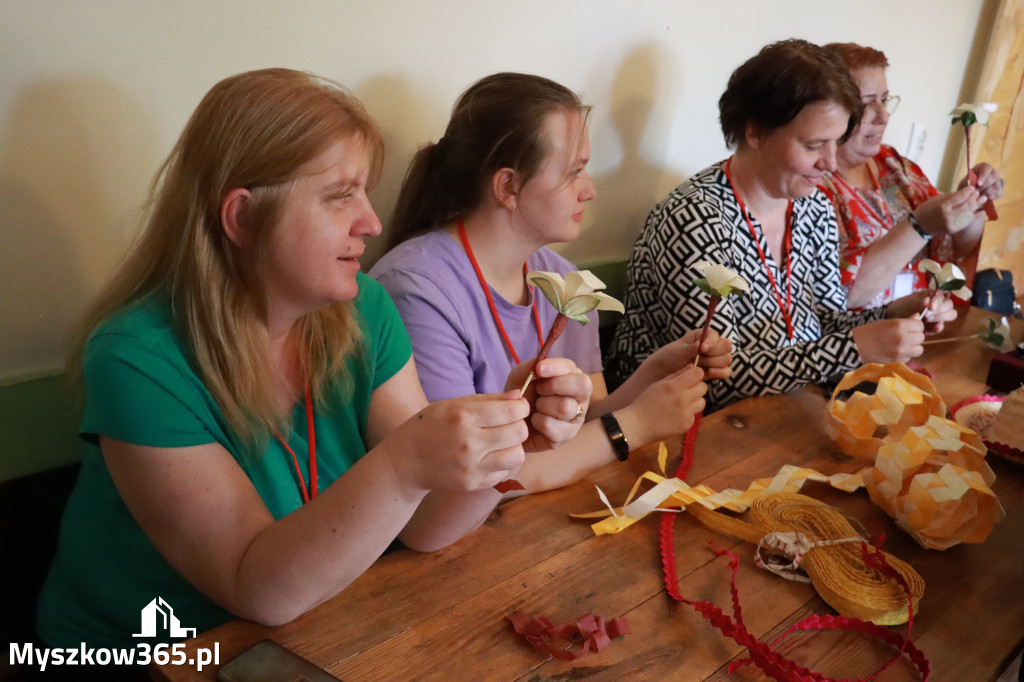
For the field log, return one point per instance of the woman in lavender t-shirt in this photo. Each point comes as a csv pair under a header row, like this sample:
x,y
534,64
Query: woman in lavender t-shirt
x,y
476,211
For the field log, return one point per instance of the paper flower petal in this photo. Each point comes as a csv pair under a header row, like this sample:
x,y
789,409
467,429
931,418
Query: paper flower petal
x,y
551,285
963,293
947,277
576,295
997,335
929,266
581,282
969,112
719,280
582,304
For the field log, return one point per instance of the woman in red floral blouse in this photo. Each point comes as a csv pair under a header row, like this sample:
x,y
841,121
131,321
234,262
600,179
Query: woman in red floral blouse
x,y
889,214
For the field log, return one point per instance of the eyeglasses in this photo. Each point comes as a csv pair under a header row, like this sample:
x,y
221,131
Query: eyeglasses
x,y
888,103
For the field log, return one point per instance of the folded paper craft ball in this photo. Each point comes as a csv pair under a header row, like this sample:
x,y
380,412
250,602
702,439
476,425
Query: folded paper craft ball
x,y
902,398
934,481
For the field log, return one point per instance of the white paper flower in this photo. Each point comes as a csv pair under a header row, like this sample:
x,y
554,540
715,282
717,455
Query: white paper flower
x,y
946,277
968,113
997,335
719,280
576,295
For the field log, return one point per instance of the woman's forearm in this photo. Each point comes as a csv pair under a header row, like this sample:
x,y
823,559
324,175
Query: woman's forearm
x,y
966,241
882,261
202,513
557,468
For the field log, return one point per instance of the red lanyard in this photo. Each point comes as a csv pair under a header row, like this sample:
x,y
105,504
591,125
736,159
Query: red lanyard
x,y
788,307
860,200
490,300
307,493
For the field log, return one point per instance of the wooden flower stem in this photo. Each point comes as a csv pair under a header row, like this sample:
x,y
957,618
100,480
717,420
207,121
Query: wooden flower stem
x,y
712,304
952,338
557,327
972,178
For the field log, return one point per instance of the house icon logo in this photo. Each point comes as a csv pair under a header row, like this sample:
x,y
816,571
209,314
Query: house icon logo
x,y
158,617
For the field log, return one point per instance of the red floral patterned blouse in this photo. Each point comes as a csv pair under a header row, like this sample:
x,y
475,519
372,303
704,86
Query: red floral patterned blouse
x,y
866,215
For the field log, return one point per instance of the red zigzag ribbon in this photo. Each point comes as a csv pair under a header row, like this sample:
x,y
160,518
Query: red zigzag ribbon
x,y
763,655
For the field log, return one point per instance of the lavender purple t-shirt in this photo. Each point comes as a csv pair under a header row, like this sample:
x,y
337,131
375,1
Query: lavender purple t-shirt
x,y
456,343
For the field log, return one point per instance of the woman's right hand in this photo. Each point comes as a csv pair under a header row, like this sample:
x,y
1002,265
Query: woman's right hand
x,y
463,444
938,214
665,408
893,340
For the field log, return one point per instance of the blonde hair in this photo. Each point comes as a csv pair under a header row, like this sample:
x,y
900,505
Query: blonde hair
x,y
255,130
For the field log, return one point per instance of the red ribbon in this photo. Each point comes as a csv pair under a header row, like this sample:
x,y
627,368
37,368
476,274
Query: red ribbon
x,y
763,655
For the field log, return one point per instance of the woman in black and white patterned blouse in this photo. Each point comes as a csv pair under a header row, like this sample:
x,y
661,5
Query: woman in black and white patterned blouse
x,y
760,214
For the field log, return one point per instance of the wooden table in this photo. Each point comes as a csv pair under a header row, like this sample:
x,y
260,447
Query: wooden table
x,y
442,615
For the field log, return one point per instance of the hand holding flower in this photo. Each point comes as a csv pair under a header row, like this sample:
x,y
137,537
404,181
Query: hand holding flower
x,y
988,181
573,297
558,396
968,114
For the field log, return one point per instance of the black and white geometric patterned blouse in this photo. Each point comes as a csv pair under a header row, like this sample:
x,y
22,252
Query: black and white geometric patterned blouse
x,y
701,220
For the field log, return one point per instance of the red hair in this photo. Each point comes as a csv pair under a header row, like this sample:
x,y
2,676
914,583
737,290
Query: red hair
x,y
859,57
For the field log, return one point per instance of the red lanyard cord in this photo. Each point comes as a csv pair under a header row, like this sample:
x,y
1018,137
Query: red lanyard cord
x,y
307,493
490,299
860,200
788,307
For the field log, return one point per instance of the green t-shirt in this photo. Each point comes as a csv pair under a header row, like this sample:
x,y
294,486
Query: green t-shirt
x,y
140,387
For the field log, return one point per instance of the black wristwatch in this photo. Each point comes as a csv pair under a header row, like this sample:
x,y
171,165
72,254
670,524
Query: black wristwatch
x,y
917,227
615,435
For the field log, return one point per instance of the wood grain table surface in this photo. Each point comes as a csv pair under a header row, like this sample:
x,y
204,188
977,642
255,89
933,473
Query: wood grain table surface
x,y
442,616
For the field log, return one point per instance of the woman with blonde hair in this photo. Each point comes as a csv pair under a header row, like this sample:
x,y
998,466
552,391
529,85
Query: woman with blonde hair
x,y
255,434
477,211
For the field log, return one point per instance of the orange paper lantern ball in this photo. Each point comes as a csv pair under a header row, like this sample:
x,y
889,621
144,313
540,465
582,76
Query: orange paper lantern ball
x,y
902,399
934,481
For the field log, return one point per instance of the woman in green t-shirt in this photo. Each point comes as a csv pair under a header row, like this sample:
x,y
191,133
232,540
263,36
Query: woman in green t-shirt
x,y
255,434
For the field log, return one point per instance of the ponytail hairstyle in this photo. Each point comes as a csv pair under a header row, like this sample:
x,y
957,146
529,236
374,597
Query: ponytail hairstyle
x,y
256,130
497,123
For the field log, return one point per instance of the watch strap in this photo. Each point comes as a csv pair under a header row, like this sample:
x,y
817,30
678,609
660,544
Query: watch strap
x,y
914,223
615,435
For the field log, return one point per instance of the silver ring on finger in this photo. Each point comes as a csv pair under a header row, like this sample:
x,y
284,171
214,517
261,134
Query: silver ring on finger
x,y
579,414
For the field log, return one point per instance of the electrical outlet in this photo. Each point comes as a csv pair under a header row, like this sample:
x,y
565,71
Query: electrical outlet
x,y
916,143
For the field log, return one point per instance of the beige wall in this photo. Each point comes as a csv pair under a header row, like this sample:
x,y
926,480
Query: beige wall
x,y
94,92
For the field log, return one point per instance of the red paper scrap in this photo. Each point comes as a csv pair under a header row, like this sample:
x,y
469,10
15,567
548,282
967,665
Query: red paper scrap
x,y
593,631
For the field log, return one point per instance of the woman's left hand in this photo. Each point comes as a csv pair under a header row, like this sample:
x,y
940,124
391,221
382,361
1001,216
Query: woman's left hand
x,y
989,181
935,308
559,395
715,356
